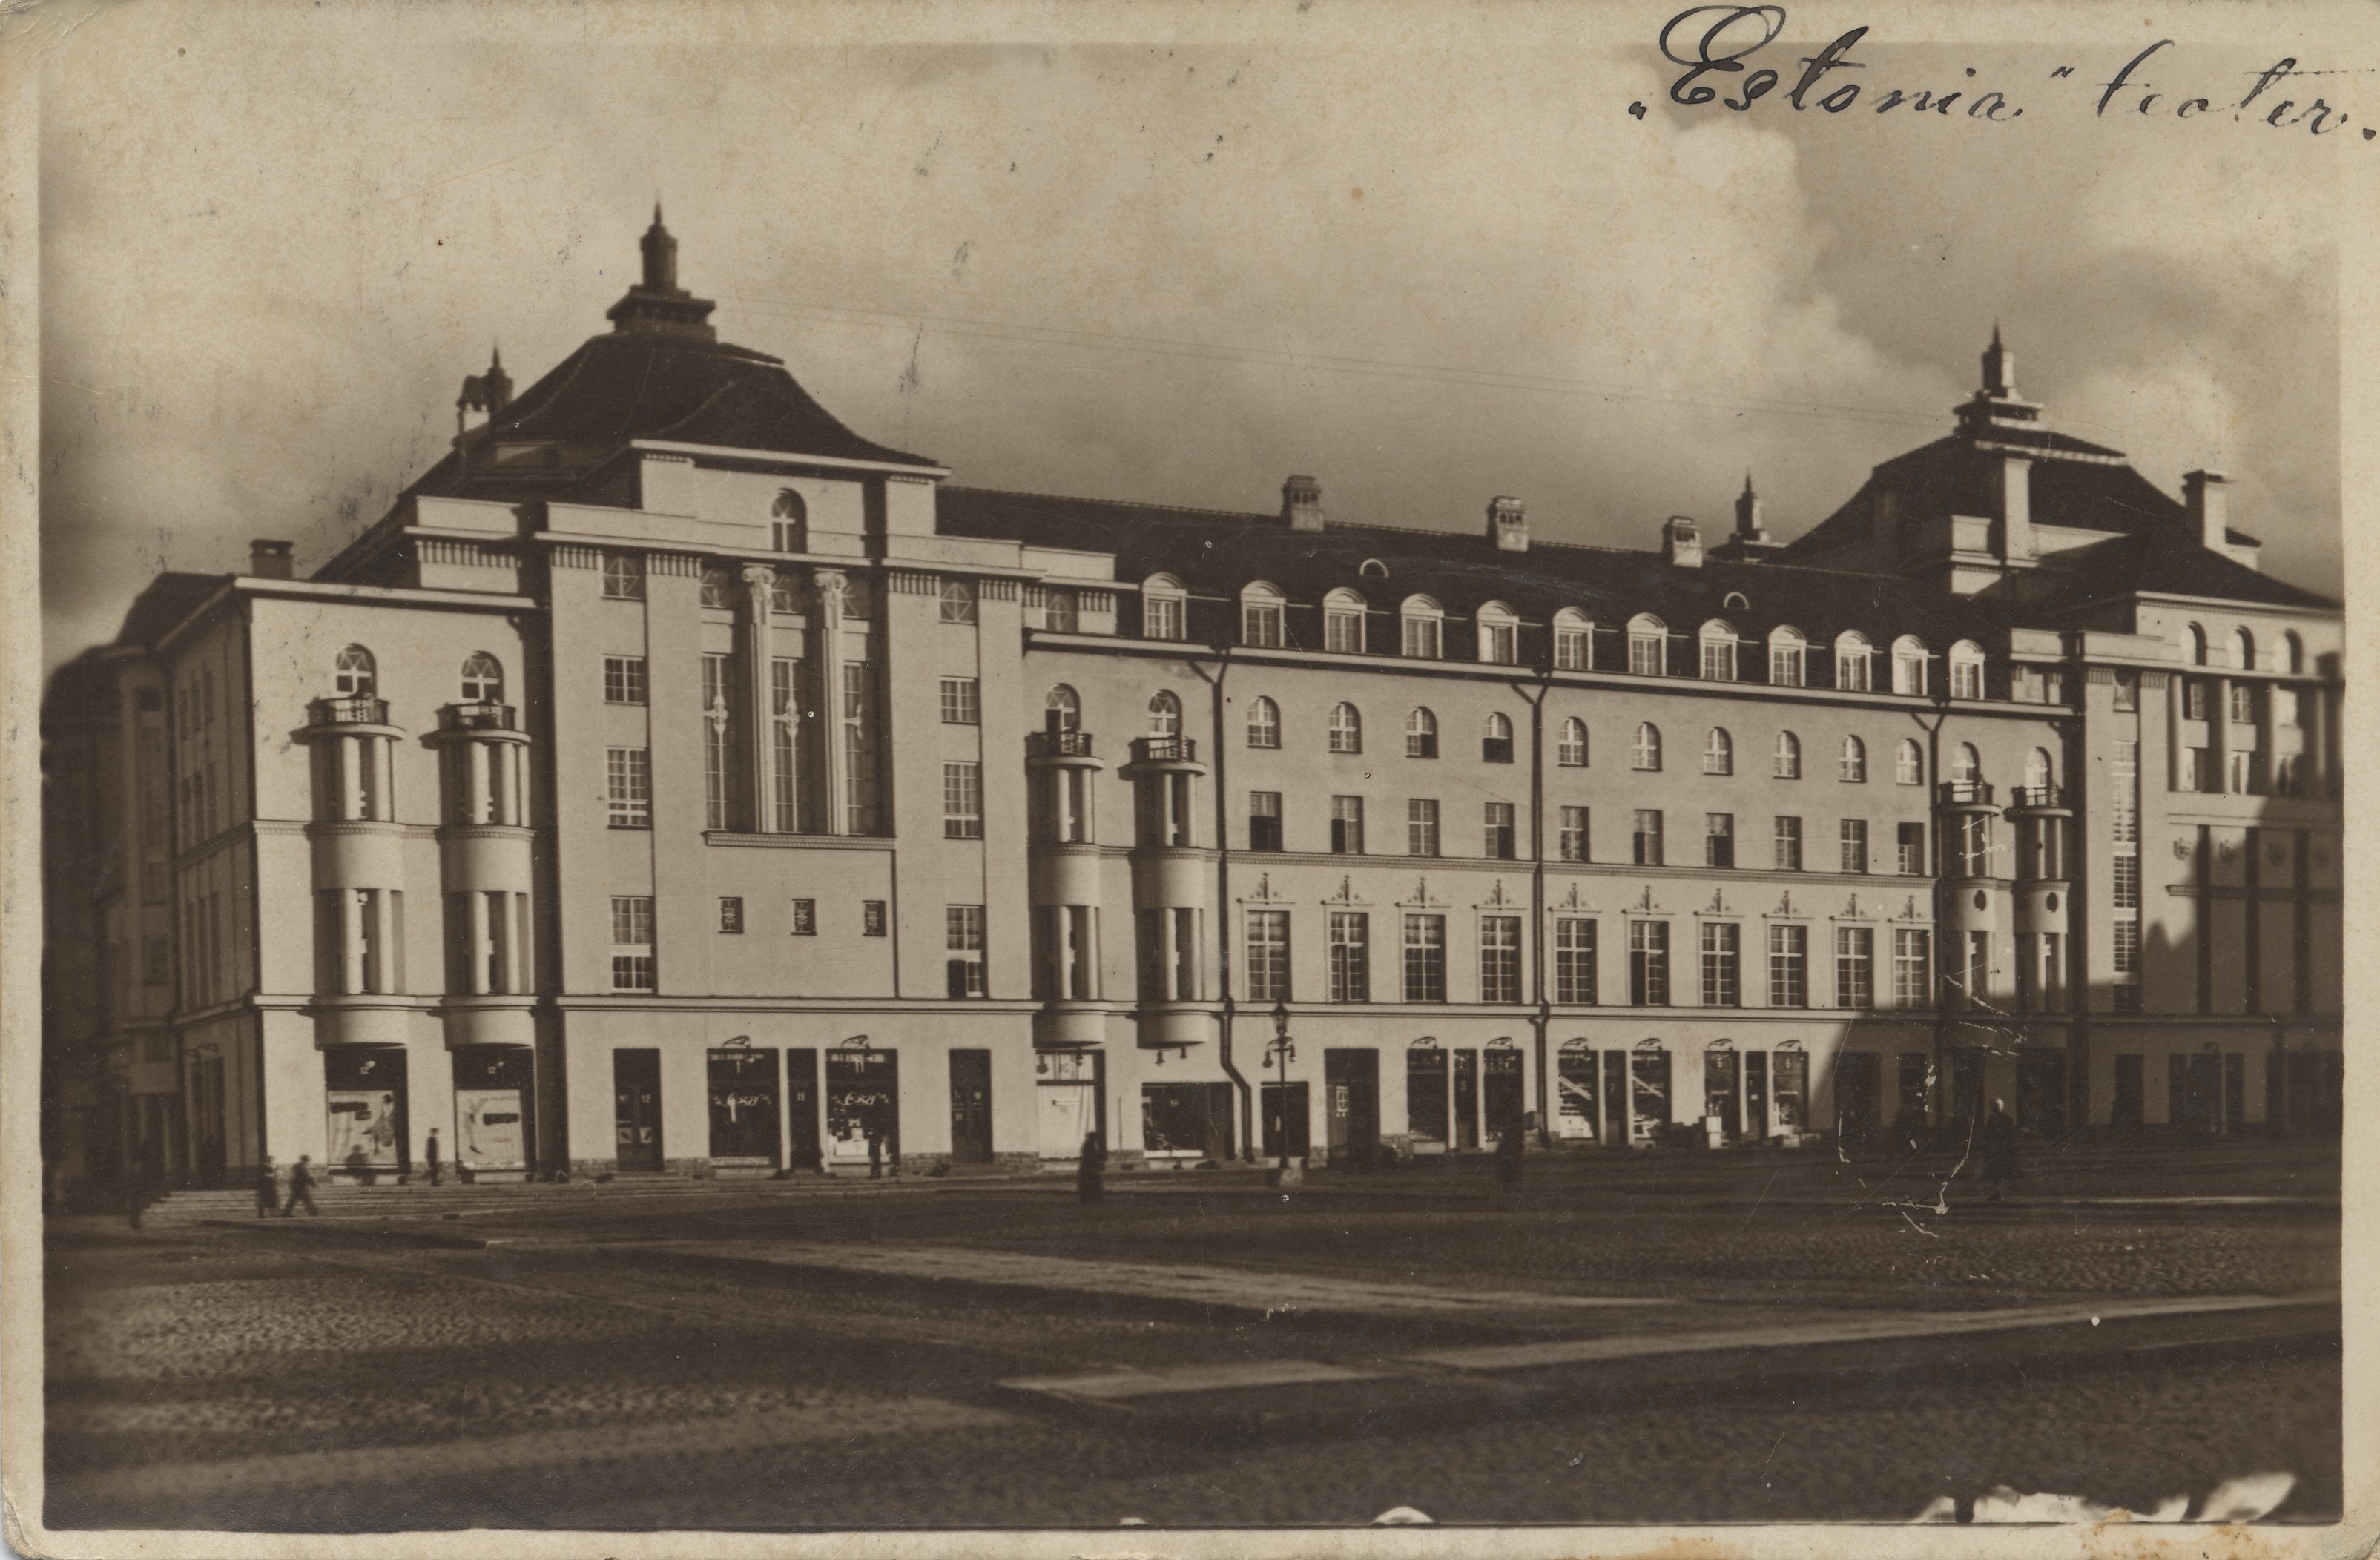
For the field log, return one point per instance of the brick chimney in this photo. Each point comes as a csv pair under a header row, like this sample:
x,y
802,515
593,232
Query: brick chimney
x,y
269,560
2202,494
1681,543
1301,503
1508,525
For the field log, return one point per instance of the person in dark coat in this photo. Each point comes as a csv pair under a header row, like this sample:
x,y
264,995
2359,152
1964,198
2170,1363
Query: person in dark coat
x,y
268,1189
1508,1157
1998,1141
301,1188
1091,1169
429,1150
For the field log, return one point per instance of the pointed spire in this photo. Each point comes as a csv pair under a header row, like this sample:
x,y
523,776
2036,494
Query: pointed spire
x,y
657,303
2000,368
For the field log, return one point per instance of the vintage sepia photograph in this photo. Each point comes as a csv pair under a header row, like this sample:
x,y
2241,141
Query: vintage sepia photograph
x,y
1178,779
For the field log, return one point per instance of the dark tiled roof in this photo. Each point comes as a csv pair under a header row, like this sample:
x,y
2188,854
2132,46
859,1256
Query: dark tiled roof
x,y
2163,563
161,608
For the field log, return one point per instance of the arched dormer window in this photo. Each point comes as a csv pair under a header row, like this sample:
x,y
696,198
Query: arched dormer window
x,y
352,675
1346,729
1570,752
1789,756
1067,706
1718,752
1164,608
1343,623
2293,653
1262,611
1854,764
1422,626
1496,738
1789,657
1851,658
1264,723
1500,635
1909,665
1165,714
1646,751
1909,767
1717,641
1966,765
2243,649
1966,670
483,679
1421,734
2194,643
2039,774
958,601
789,520
1573,641
1648,646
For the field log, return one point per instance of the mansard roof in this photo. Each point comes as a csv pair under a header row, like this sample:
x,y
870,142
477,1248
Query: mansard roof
x,y
2157,564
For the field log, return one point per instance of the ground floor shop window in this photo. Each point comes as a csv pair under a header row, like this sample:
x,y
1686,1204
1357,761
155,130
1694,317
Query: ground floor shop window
x,y
1502,1093
1723,1092
1648,1094
1576,1113
494,1085
863,1107
1068,1101
1859,1095
1788,1089
746,1121
1186,1118
365,1096
1425,1094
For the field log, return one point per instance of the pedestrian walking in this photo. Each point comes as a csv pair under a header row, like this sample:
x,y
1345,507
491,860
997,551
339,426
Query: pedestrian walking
x,y
1091,1169
437,1172
875,1152
268,1189
1508,1157
301,1188
1998,1143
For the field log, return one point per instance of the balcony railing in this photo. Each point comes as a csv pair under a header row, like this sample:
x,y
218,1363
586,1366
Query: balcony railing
x,y
2037,796
350,711
1952,793
1057,744
1164,750
481,717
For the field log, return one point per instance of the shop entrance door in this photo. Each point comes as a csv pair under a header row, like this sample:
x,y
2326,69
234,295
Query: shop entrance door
x,y
1789,1087
1426,1096
636,1109
971,1107
1575,1116
1755,1096
1615,1099
1723,1092
746,1134
863,1107
1648,1097
1466,1099
207,1119
1352,1080
802,1109
2041,1094
1504,1098
1859,1095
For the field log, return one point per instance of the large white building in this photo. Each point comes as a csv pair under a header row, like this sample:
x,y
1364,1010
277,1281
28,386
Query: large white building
x,y
675,780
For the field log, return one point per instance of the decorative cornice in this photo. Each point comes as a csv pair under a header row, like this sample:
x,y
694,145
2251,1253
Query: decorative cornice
x,y
909,581
566,555
682,566
995,589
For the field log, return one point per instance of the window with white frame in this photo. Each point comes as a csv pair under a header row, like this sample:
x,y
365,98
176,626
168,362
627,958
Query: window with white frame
x,y
1346,825
1966,765
1164,608
1421,734
718,587
963,934
1346,729
1572,840
1855,967
1575,959
352,673
1423,628
788,522
1966,670
1057,614
1500,635
1852,672
1852,768
1569,751
1722,964
1648,646
1908,763
632,942
1264,723
483,680
1909,665
1067,706
624,577
1351,956
1424,963
1788,758
1788,966
1573,641
962,801
1421,826
1854,845
1164,714
624,679
961,702
1496,738
1718,640
1268,965
1718,752
1789,843
1500,959
1343,623
1787,656
629,787
957,601
1912,967
1262,614
1645,753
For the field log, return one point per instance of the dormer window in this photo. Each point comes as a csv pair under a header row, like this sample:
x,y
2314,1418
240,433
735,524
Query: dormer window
x,y
1909,665
1424,624
1966,670
1718,640
1343,623
1164,608
789,523
1573,641
1787,656
1852,653
1262,613
1500,635
1648,646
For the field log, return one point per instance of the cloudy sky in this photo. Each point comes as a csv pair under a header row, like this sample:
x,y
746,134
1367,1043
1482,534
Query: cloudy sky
x,y
1169,254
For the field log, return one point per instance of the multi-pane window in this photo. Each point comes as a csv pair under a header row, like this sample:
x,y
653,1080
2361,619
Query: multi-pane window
x,y
1854,845
1421,826
962,801
1645,752
1264,723
871,918
1966,674
730,914
1162,617
1570,751
624,577
1787,764
2193,699
2125,879
1572,840
2128,948
1648,837
1647,648
1164,714
1913,983
961,702
1425,959
1719,838
718,587
963,951
1572,650
1500,832
1788,966
1852,765
1500,959
718,733
1421,734
1351,956
1853,664
1346,825
632,942
1422,636
1910,841
1908,665
1854,967
1343,628
957,601
482,680
1719,659
1496,739
1648,964
1260,621
804,918
1722,964
629,787
1785,662
1346,729
1058,612
624,679
859,728
1500,642
1575,959
2197,769
784,726
1718,753
1789,843
1267,963
1908,763
789,519
1264,820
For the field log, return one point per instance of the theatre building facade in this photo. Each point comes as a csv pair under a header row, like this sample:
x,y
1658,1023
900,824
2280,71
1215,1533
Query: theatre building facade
x,y
676,782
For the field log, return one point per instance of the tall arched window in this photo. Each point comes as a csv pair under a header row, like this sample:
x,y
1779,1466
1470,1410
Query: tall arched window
x,y
1788,756
2243,649
1570,752
1647,753
1067,706
1346,729
483,679
1500,635
1853,764
1164,608
1423,627
1648,646
1966,766
1262,610
2293,653
1787,656
1717,662
1343,623
2195,642
352,673
1966,670
1909,765
1718,753
1496,738
789,523
1852,655
1421,734
1909,665
1264,723
1165,714
2038,772
1573,641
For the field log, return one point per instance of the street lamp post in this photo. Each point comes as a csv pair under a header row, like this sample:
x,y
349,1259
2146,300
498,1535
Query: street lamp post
x,y
1283,1051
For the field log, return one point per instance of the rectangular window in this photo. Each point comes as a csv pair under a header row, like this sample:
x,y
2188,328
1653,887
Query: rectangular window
x,y
785,722
718,732
1648,837
2193,699
2125,877
806,918
1500,959
1264,820
718,587
1161,617
730,914
1261,624
1912,962
1499,841
1573,838
1788,966
1425,958
1851,670
1347,825
629,787
1351,956
2128,947
963,949
859,748
1575,959
1979,969
961,702
624,679
1342,633
871,918
1719,660
1909,842
2123,795
632,943
1267,955
1422,638
1648,964
1722,964
1855,967
962,801
1719,838
624,577
1057,614
2243,704
1421,826
1571,650
1789,845
1966,679
1854,845
1500,643
1785,665
1645,657
2127,691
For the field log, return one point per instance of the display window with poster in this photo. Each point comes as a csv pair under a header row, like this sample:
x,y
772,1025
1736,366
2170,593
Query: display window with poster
x,y
1788,1089
744,1125
1067,1106
494,1085
364,1097
863,1105
1575,1114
